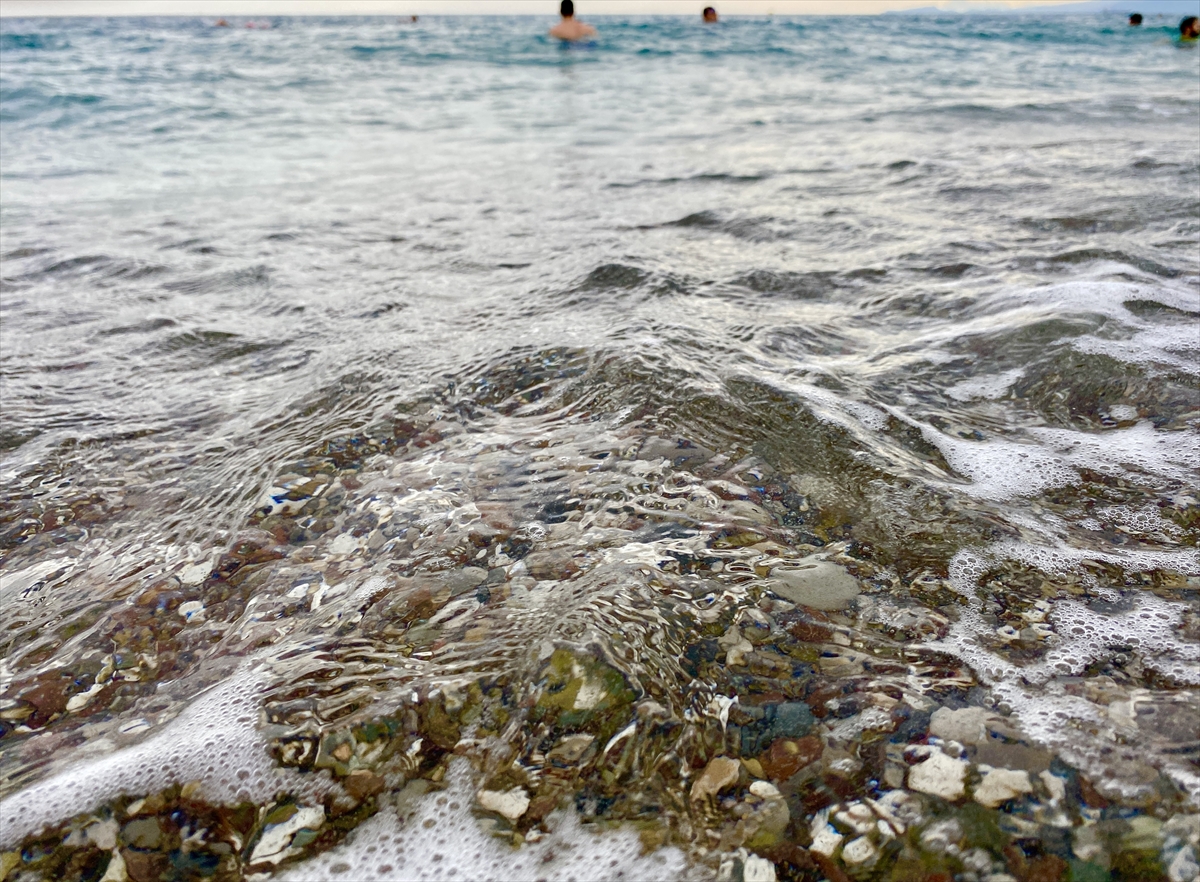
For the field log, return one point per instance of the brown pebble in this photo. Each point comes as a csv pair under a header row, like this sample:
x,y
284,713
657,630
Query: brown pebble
x,y
541,806
343,752
721,772
144,866
787,756
547,565
1091,798
363,784
1047,868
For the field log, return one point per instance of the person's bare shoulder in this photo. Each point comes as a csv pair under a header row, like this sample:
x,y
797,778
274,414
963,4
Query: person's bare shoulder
x,y
572,30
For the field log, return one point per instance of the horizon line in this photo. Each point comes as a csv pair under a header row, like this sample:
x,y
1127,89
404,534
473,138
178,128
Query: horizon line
x,y
242,9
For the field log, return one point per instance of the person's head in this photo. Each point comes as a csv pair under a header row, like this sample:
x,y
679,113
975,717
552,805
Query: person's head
x,y
710,14
566,9
1189,28
1135,19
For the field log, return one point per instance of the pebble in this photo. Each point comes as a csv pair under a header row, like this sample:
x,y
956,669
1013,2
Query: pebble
x,y
362,784
195,574
746,867
116,870
275,844
571,749
466,579
103,834
858,817
938,774
736,646
815,583
721,772
967,725
859,851
825,839
509,803
143,833
551,565
754,767
765,790
1000,785
786,756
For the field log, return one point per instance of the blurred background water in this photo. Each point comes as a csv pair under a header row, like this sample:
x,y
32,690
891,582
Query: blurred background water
x,y
927,272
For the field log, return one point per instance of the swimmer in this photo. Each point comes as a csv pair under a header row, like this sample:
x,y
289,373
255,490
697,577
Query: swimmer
x,y
569,29
1189,28
1135,20
222,23
710,15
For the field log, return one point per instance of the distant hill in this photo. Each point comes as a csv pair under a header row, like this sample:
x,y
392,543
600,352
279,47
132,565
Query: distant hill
x,y
1085,7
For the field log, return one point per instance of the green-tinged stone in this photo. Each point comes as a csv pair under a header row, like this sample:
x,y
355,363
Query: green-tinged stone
x,y
1145,834
1130,865
440,726
304,837
980,828
583,692
144,833
279,814
1086,871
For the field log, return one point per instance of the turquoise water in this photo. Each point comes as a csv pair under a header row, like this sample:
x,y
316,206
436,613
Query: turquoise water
x,y
374,377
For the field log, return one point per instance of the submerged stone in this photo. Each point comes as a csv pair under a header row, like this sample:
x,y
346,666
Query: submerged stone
x,y
787,756
938,774
1000,785
967,725
580,691
721,772
815,583
509,803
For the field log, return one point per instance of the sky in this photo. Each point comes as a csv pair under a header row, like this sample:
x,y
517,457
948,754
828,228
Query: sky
x,y
15,8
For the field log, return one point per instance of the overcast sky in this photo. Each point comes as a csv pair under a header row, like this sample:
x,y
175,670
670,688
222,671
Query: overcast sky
x,y
473,7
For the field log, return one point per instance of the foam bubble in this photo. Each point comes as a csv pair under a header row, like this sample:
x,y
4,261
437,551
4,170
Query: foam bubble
x,y
1001,470
214,741
442,840
1170,455
1075,727
985,387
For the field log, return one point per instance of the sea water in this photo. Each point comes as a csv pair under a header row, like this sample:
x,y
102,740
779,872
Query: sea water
x,y
748,451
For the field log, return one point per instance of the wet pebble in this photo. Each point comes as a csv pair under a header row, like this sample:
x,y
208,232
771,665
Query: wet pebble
x,y
815,583
721,772
1000,785
936,773
511,804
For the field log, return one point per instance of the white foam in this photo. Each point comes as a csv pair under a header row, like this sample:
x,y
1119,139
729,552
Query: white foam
x,y
1170,455
985,387
1153,343
1001,470
834,409
442,840
1081,731
214,741
1109,298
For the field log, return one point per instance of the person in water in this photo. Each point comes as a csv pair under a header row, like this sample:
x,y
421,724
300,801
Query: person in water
x,y
570,30
1189,28
1135,20
709,14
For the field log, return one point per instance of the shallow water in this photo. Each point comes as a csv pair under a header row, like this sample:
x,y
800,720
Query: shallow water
x,y
795,389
